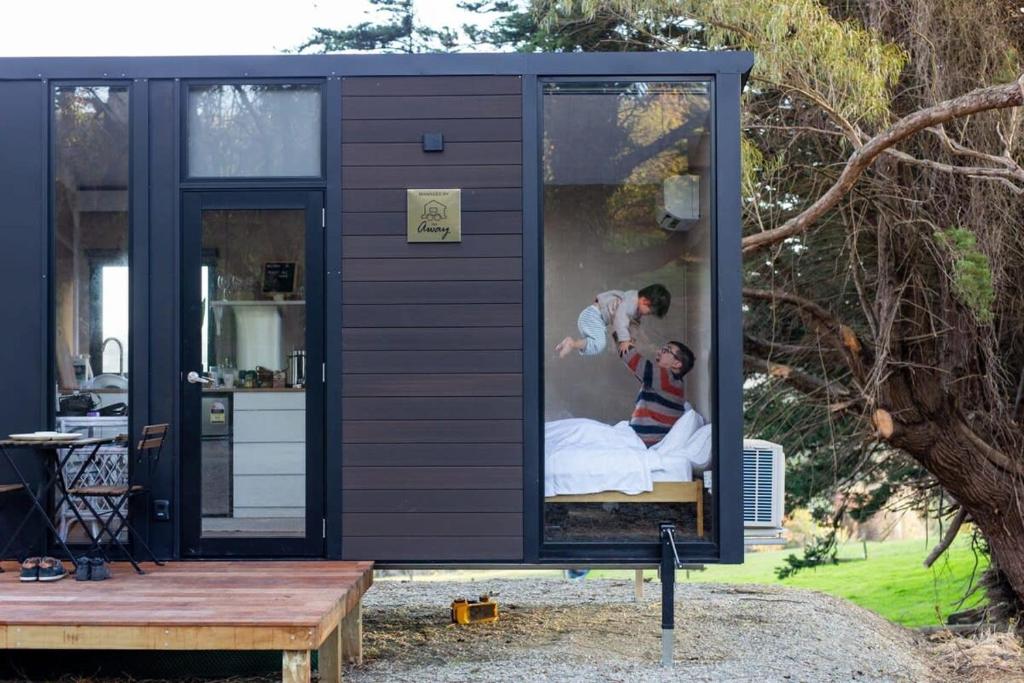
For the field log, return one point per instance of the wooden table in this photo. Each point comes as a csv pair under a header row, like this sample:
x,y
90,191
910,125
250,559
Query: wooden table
x,y
291,606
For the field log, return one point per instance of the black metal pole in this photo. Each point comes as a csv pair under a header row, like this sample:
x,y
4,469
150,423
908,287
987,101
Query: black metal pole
x,y
668,586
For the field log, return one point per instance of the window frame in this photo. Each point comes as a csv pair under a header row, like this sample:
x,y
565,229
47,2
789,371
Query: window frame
x,y
622,551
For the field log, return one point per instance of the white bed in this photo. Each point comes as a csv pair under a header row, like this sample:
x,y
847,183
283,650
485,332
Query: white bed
x,y
586,461
583,456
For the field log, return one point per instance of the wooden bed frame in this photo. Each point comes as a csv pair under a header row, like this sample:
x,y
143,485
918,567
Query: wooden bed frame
x,y
664,492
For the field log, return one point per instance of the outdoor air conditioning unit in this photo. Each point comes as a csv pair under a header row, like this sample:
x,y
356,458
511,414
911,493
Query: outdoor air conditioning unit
x,y
680,207
764,488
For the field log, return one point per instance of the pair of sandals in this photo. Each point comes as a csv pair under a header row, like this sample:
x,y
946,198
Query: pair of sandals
x,y
42,569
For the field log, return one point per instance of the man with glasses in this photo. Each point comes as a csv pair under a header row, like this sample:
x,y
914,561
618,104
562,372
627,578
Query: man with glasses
x,y
661,399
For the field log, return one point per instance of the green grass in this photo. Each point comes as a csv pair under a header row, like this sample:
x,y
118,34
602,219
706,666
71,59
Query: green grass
x,y
891,581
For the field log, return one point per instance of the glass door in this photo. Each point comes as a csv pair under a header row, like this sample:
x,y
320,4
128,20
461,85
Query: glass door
x,y
251,401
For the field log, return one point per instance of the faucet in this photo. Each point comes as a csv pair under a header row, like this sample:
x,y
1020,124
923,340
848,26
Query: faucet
x,y
120,355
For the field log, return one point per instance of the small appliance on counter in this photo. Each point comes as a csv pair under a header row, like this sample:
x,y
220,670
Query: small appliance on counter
x,y
77,404
297,368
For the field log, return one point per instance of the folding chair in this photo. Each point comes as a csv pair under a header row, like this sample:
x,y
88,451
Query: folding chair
x,y
116,496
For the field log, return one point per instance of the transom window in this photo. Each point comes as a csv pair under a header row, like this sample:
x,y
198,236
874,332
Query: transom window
x,y
254,131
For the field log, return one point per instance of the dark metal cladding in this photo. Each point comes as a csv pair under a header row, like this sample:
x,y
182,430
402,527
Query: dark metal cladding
x,y
23,278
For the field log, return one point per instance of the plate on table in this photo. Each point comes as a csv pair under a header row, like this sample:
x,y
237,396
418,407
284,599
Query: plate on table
x,y
46,436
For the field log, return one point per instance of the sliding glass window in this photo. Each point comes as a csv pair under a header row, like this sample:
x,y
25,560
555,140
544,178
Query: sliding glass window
x,y
90,172
627,309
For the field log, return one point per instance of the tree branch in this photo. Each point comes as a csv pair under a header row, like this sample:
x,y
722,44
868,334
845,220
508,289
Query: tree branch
x,y
768,347
983,99
819,314
849,131
845,338
992,454
1007,175
947,539
800,380
956,148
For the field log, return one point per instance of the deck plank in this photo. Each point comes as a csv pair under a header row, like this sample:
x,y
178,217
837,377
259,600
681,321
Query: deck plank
x,y
185,605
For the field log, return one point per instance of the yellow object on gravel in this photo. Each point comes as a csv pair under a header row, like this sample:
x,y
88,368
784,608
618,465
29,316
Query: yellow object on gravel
x,y
482,612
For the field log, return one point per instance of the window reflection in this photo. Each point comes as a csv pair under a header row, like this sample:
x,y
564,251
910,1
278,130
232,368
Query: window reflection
x,y
91,282
114,319
91,241
626,169
253,131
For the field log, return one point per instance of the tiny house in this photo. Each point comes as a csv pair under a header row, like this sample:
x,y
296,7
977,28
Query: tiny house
x,y
342,281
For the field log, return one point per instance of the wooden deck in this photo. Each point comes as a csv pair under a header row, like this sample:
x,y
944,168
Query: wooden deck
x,y
295,607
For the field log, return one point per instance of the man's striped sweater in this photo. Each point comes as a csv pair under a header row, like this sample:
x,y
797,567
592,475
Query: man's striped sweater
x,y
660,401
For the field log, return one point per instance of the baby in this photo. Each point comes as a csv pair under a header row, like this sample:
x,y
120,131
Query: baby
x,y
618,309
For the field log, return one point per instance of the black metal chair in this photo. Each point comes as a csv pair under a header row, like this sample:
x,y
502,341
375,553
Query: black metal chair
x,y
117,496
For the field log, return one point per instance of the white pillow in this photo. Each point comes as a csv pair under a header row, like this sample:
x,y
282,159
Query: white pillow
x,y
680,433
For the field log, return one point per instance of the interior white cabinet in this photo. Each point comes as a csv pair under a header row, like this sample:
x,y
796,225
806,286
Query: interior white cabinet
x,y
269,454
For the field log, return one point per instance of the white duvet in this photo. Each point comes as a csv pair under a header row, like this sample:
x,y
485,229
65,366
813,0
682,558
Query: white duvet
x,y
587,456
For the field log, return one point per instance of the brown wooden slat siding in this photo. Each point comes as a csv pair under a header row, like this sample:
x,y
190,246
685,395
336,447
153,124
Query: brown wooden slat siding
x,y
432,333
427,338
424,315
413,454
454,130
473,223
404,362
372,293
411,154
393,200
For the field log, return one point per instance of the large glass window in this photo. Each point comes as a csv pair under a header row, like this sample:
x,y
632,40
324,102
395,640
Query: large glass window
x,y
245,131
627,309
91,242
91,276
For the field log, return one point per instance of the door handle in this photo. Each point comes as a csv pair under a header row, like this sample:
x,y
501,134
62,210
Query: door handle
x,y
194,377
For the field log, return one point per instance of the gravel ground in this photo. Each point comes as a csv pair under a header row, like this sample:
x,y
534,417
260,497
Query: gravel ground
x,y
558,630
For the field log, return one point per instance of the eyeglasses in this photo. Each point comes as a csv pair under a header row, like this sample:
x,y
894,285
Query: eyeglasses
x,y
669,350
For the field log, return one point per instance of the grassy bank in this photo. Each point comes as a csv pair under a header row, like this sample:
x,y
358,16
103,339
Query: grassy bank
x,y
891,581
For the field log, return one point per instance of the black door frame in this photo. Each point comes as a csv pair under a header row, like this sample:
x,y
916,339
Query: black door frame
x,y
192,542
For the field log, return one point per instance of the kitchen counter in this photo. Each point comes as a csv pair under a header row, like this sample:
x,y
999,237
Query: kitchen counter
x,y
241,390
65,391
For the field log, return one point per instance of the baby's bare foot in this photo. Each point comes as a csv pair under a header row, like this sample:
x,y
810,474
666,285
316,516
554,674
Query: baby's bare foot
x,y
565,347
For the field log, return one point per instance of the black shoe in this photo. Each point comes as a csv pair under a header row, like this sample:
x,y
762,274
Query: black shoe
x,y
100,570
30,569
83,569
51,569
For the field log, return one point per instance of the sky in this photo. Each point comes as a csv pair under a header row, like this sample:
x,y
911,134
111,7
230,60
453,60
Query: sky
x,y
61,28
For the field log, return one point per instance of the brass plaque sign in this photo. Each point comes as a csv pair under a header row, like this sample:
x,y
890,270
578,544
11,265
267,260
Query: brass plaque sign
x,y
434,215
